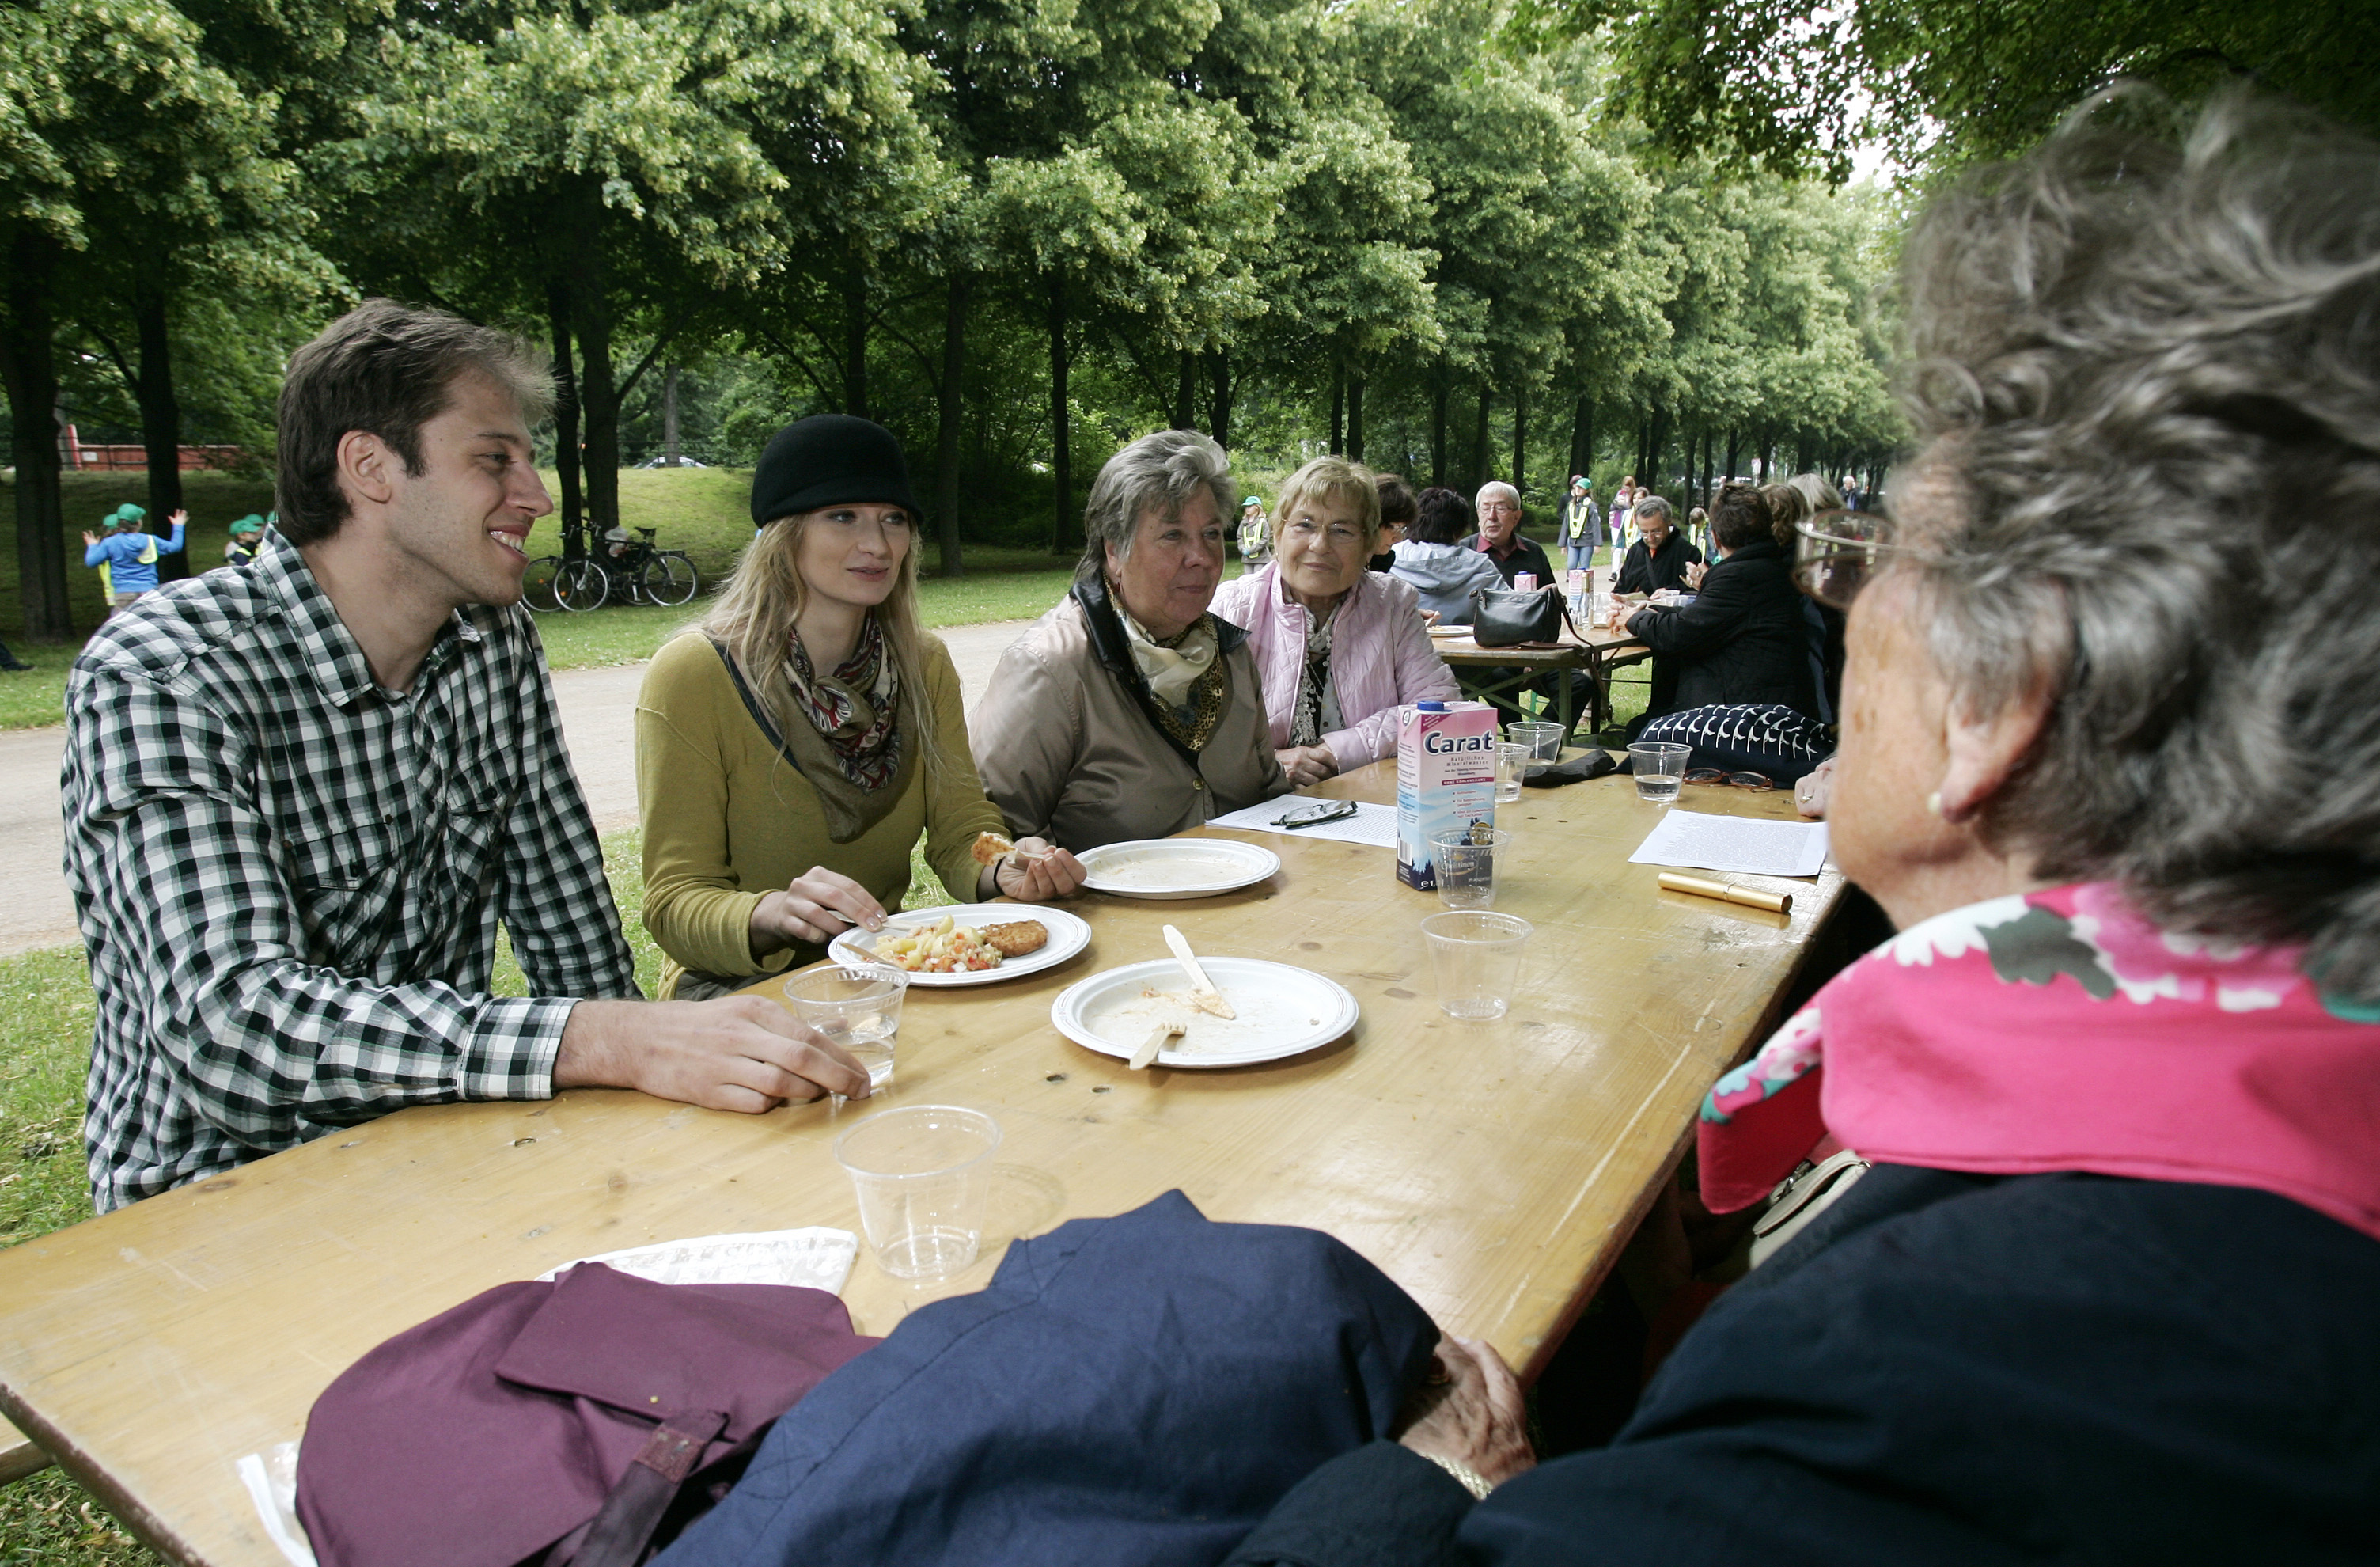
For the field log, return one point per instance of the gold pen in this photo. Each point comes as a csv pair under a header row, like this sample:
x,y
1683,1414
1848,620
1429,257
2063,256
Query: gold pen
x,y
1775,903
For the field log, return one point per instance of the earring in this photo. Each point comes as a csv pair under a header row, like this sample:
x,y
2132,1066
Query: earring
x,y
1933,803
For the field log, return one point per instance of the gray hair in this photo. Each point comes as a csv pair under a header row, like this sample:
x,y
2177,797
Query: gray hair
x,y
1652,506
1495,484
1158,472
2146,373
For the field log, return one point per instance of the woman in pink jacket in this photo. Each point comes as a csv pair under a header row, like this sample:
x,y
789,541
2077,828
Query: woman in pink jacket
x,y
1338,648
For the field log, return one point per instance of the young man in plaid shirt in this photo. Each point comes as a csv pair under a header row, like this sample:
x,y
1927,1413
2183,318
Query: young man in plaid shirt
x,y
301,797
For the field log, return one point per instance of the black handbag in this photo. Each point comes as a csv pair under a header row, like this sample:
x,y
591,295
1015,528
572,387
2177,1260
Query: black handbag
x,y
1506,618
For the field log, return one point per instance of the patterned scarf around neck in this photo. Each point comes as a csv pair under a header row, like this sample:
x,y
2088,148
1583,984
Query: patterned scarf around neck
x,y
1317,703
2059,1030
856,709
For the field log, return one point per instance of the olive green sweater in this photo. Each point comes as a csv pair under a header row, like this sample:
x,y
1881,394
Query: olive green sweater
x,y
728,819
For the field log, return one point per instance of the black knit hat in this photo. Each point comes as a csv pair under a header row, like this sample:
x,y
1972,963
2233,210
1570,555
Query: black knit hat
x,y
828,460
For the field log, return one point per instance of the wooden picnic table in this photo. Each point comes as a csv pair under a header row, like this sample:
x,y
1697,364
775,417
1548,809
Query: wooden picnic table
x,y
1493,1168
1500,675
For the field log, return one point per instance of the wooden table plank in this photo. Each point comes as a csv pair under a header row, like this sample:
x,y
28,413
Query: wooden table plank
x,y
1491,1169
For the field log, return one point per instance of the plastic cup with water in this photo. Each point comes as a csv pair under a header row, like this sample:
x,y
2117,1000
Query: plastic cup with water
x,y
1543,738
924,1177
1512,766
1660,768
1475,954
856,1007
1464,863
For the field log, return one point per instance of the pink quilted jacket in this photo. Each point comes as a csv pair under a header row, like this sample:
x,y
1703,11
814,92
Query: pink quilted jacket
x,y
1380,658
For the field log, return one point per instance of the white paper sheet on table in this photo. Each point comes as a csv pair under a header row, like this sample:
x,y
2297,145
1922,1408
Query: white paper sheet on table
x,y
1373,824
1746,845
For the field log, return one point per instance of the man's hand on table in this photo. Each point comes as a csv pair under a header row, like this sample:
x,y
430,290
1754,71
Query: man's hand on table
x,y
739,1052
1307,765
1475,1415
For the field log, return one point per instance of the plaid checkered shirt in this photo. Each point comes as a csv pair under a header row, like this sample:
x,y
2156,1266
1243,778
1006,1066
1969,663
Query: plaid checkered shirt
x,y
289,879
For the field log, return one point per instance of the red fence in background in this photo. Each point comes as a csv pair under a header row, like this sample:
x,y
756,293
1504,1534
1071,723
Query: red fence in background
x,y
83,456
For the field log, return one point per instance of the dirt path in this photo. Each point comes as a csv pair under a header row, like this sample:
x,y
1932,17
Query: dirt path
x,y
598,720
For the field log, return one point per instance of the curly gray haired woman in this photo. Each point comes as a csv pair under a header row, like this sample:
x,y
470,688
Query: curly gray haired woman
x,y
2105,1292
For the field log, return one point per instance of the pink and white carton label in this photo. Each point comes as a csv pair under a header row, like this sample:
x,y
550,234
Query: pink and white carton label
x,y
1446,780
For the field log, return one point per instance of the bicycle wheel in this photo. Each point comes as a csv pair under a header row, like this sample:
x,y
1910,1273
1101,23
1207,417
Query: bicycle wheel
x,y
582,585
537,584
670,578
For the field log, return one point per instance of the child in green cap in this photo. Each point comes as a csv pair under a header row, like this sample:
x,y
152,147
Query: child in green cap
x,y
127,558
245,535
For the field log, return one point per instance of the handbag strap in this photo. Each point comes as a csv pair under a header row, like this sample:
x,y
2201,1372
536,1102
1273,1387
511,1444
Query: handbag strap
x,y
618,1533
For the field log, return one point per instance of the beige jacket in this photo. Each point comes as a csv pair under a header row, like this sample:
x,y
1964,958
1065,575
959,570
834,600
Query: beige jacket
x,y
1067,752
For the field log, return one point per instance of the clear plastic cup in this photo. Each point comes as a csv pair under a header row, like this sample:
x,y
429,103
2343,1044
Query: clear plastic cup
x,y
1543,738
924,1176
1660,768
1476,956
1465,862
1512,766
856,1007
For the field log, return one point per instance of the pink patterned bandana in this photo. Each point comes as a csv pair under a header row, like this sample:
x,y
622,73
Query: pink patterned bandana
x,y
2059,1030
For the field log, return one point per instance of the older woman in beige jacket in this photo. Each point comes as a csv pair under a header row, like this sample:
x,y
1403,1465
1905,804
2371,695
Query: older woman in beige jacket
x,y
1129,710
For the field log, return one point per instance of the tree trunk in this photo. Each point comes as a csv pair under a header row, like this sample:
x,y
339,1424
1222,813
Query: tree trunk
x,y
565,422
1708,492
590,322
1338,411
949,412
1644,437
1660,439
1438,469
1062,470
1730,474
1520,435
1218,369
669,416
1768,459
1185,393
855,339
29,366
1479,472
161,416
1356,419
1582,457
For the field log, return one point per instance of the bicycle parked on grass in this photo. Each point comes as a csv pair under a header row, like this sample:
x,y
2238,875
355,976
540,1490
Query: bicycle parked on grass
x,y
639,573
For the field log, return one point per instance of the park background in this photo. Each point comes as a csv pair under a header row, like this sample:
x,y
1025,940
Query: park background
x,y
1452,238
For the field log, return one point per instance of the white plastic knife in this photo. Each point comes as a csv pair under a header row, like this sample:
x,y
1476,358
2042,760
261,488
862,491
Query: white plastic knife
x,y
1203,994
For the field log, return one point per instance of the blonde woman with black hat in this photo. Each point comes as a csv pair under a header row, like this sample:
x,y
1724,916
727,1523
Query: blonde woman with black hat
x,y
792,747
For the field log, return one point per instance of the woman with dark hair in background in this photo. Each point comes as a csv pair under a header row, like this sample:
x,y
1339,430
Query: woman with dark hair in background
x,y
1434,561
1398,506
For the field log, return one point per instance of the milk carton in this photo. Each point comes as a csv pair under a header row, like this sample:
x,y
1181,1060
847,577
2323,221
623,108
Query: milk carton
x,y
1446,779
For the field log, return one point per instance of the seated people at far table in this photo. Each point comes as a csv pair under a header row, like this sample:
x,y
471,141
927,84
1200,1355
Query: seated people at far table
x,y
1659,559
1443,570
2106,1294
1398,506
1130,710
790,752
1499,538
301,796
1338,648
1741,642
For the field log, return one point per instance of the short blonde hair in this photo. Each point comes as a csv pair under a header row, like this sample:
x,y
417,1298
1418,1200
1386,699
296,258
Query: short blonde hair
x,y
1333,478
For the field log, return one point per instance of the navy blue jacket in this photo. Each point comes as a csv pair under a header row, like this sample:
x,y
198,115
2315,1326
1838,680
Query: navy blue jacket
x,y
1138,1390
1951,1369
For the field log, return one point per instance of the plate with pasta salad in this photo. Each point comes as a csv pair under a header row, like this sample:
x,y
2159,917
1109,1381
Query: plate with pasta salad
x,y
968,944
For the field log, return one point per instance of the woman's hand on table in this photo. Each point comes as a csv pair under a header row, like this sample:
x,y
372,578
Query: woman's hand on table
x,y
817,907
1472,1413
1033,871
1810,795
1307,765
739,1052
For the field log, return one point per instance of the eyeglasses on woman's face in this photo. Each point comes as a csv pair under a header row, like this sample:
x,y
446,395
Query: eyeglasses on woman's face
x,y
1836,552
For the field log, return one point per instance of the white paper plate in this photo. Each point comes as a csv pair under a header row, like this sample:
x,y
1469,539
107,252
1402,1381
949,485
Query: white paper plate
x,y
1176,867
1448,630
1282,1012
1068,936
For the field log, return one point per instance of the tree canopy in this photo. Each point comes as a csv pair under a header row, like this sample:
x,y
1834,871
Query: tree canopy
x,y
1018,232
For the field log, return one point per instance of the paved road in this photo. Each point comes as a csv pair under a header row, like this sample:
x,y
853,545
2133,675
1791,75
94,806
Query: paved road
x,y
598,720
